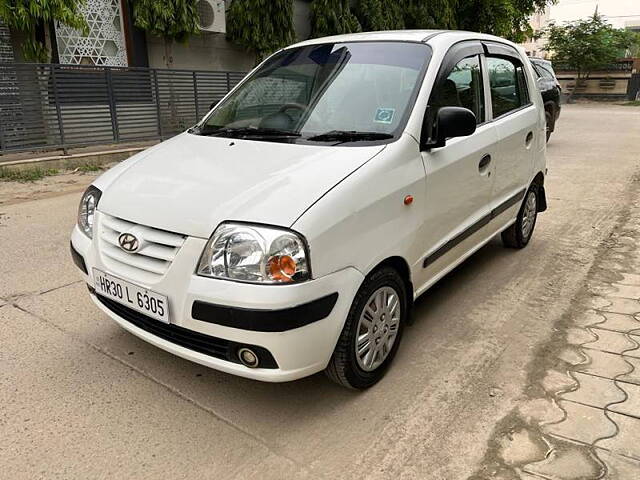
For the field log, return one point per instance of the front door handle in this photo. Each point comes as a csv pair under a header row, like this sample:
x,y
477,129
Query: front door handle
x,y
484,163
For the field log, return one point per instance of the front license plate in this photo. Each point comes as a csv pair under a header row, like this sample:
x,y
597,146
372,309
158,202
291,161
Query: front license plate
x,y
133,296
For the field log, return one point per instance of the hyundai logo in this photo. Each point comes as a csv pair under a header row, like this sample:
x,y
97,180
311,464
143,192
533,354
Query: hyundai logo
x,y
128,242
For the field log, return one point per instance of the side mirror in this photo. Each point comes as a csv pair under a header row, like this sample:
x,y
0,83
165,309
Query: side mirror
x,y
452,122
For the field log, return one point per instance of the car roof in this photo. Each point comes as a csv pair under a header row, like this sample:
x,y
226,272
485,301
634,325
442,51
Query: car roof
x,y
432,37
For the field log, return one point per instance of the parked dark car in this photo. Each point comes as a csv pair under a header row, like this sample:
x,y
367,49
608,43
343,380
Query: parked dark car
x,y
550,89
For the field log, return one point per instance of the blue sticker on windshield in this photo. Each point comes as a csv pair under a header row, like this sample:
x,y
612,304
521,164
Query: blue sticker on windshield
x,y
384,115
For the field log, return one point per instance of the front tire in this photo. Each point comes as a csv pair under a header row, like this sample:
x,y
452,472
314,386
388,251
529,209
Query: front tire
x,y
519,234
372,331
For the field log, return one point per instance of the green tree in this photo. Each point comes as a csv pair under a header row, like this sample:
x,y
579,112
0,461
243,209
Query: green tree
x,y
634,48
585,45
260,26
28,16
375,15
422,14
332,17
171,20
505,18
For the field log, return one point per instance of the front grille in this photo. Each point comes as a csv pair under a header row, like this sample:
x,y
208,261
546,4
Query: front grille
x,y
198,342
158,250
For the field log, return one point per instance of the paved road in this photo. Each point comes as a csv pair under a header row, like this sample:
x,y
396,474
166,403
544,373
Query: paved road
x,y
81,398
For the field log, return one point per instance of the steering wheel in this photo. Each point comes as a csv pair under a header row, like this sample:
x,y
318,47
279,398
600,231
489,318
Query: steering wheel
x,y
288,106
281,119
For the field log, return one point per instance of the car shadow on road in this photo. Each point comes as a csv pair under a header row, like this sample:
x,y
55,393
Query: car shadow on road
x,y
462,277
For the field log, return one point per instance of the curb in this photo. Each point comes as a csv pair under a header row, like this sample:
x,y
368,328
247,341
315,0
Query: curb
x,y
76,159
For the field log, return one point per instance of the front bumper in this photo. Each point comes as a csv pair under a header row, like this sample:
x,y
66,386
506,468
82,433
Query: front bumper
x,y
298,352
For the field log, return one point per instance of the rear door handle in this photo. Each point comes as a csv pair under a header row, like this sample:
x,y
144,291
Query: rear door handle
x,y
484,163
529,138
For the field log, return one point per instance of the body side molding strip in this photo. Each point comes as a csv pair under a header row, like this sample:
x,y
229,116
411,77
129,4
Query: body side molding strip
x,y
504,206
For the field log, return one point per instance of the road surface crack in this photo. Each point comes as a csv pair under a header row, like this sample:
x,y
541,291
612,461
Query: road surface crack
x,y
18,296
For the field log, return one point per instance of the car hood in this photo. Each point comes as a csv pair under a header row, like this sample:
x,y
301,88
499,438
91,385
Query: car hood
x,y
191,183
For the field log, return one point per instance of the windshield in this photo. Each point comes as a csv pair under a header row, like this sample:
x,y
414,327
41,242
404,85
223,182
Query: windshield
x,y
334,92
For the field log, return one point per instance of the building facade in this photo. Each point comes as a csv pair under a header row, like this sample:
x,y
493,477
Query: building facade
x,y
534,47
113,40
619,13
45,107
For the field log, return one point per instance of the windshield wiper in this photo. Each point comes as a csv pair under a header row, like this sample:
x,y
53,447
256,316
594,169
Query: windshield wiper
x,y
349,136
247,132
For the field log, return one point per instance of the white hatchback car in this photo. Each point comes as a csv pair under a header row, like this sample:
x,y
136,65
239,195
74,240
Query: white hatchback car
x,y
291,229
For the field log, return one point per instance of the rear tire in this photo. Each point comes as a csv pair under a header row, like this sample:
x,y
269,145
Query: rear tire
x,y
519,234
383,298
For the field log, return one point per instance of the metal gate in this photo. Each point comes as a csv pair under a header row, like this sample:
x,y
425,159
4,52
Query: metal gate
x,y
46,106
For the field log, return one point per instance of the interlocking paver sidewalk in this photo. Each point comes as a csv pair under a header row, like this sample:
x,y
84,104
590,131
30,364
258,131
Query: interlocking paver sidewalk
x,y
608,365
626,291
634,375
594,391
631,404
569,462
627,440
612,342
619,467
582,423
589,413
619,322
622,305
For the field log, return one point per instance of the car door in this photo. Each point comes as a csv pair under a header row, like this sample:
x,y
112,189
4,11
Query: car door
x,y
459,176
516,122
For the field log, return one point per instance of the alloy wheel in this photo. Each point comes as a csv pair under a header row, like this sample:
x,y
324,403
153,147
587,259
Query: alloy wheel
x,y
529,214
377,328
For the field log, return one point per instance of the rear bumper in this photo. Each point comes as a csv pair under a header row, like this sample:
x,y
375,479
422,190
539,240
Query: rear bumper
x,y
301,344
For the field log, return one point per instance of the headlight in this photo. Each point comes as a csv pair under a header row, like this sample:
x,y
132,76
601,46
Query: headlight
x,y
87,210
256,254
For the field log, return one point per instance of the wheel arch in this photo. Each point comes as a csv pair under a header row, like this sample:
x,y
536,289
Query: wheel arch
x,y
400,265
538,181
551,108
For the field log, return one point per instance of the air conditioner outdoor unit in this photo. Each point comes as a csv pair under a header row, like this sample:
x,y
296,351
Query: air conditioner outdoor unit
x,y
211,16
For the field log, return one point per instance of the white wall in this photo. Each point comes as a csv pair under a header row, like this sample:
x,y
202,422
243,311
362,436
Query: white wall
x,y
211,51
207,51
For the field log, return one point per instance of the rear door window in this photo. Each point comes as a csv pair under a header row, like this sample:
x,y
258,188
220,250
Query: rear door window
x,y
507,83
